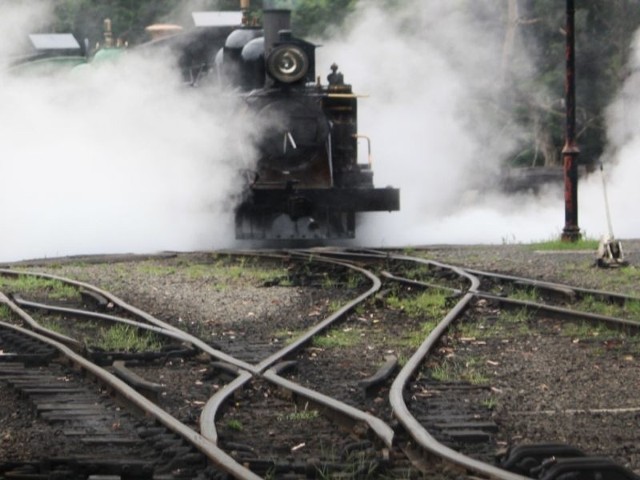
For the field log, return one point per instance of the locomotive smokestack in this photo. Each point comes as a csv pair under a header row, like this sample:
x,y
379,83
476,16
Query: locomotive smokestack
x,y
273,21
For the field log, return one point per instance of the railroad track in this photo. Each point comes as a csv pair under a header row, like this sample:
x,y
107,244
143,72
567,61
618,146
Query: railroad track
x,y
373,421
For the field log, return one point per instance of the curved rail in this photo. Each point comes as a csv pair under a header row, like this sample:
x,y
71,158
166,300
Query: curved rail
x,y
396,398
244,371
217,456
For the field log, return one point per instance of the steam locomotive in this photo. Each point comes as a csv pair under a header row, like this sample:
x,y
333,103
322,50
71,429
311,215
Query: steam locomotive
x,y
308,183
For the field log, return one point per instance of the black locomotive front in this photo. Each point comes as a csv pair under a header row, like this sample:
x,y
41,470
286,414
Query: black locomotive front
x,y
308,183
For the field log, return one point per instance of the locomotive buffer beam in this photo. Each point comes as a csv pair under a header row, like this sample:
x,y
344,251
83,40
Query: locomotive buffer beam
x,y
337,199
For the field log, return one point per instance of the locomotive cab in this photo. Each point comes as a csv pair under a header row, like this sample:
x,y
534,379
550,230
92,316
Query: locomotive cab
x,y
307,183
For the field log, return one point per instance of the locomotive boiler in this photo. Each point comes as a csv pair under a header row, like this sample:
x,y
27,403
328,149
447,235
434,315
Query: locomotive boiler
x,y
307,183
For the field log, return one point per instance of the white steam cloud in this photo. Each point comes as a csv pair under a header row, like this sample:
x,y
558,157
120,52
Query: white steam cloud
x,y
122,158
116,157
427,66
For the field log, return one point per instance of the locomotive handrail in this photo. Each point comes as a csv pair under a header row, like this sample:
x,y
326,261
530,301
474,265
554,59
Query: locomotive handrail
x,y
368,139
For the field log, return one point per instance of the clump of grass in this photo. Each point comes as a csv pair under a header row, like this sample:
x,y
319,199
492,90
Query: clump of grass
x,y
526,294
586,330
455,371
234,424
348,337
29,284
299,415
490,402
558,244
224,271
518,315
414,338
630,309
431,304
122,337
5,312
53,326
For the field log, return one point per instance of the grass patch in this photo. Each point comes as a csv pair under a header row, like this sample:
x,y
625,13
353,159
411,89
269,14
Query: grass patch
x,y
490,403
414,338
526,294
348,337
223,272
509,321
121,337
431,304
455,371
235,425
630,309
53,325
557,244
586,330
297,415
55,289
5,312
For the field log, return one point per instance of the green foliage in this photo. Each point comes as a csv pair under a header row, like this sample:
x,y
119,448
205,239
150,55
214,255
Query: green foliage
x,y
451,370
630,309
121,337
299,415
234,424
313,17
431,304
557,244
5,313
339,338
222,273
414,338
55,289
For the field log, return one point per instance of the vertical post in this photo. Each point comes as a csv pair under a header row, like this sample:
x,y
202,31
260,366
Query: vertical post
x,y
570,151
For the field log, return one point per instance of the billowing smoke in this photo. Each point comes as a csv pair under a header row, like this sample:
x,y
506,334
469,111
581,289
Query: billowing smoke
x,y
18,17
433,73
116,157
621,159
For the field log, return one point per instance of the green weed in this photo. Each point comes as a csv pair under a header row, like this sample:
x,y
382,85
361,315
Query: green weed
x,y
121,337
55,289
299,415
526,294
414,338
490,403
558,244
347,337
451,370
234,424
585,330
431,304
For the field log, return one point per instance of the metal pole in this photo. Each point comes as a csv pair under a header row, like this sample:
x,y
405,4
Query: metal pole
x,y
570,151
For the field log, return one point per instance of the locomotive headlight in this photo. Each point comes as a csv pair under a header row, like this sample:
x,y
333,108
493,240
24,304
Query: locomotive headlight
x,y
288,63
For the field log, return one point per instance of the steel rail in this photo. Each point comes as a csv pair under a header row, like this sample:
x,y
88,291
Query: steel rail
x,y
217,456
172,333
211,409
383,431
379,427
552,285
580,314
245,371
316,329
560,310
422,437
35,326
109,296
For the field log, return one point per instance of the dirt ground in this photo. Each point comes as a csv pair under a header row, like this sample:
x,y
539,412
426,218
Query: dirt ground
x,y
541,375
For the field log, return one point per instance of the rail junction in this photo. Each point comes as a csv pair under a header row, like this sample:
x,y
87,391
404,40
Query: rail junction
x,y
390,366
